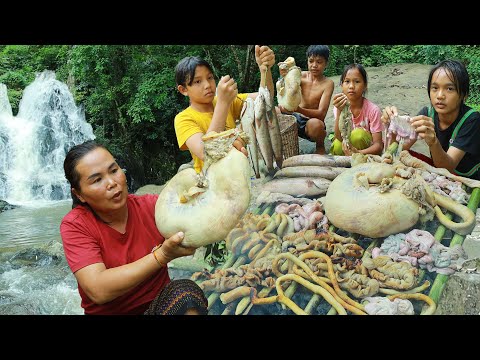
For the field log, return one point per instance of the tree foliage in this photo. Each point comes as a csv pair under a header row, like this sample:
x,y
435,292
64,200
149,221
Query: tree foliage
x,y
130,97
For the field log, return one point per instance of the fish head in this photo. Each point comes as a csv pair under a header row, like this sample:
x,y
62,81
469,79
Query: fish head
x,y
259,105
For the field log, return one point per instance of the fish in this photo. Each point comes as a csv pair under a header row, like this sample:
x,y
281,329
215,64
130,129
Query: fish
x,y
317,160
248,125
326,172
304,186
273,127
345,125
266,197
261,131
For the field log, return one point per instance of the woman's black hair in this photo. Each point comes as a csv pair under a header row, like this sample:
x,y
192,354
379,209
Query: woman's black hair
x,y
74,155
457,72
185,69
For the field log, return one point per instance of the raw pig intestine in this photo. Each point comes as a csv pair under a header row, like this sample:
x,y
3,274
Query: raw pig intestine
x,y
400,125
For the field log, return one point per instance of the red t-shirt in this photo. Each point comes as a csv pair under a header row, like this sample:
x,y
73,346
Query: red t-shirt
x,y
87,241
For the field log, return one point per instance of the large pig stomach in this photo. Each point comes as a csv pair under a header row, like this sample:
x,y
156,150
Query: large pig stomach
x,y
367,211
208,217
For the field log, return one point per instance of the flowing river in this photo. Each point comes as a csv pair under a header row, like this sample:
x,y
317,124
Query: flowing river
x,y
34,275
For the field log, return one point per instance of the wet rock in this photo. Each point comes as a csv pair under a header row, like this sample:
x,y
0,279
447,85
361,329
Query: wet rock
x,y
33,257
4,206
17,308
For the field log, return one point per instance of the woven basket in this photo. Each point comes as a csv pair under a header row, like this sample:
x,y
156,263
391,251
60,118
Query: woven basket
x,y
289,132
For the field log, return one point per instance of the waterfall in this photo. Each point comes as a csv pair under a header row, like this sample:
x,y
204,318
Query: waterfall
x,y
34,143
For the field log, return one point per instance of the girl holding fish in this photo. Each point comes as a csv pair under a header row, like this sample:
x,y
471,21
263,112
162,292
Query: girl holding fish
x,y
366,134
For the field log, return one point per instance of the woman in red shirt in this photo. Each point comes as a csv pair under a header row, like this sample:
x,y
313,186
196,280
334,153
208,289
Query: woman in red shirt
x,y
113,246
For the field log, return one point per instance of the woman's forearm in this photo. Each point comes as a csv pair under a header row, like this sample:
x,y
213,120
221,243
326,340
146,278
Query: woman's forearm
x,y
103,285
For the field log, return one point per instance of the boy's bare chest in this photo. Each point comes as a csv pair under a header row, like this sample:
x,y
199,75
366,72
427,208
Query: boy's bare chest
x,y
312,92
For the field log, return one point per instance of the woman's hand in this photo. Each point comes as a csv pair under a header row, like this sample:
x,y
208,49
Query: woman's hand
x,y
339,101
388,113
425,129
172,249
264,57
227,90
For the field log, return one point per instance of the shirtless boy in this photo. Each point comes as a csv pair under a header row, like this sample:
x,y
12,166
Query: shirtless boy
x,y
317,92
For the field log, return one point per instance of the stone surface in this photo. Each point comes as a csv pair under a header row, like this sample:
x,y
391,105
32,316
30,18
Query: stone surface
x,y
308,147
471,245
461,295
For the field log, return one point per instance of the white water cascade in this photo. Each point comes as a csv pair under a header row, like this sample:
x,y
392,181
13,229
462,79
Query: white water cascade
x,y
34,143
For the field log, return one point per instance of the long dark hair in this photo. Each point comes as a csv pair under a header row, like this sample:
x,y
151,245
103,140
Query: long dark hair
x,y
74,155
457,72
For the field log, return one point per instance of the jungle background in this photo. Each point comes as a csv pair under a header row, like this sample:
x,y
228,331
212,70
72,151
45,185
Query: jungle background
x,y
129,94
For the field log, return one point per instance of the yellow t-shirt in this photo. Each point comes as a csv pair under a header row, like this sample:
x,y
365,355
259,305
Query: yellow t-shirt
x,y
190,121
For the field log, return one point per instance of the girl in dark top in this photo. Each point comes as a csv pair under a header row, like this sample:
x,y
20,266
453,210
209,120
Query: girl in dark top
x,y
450,128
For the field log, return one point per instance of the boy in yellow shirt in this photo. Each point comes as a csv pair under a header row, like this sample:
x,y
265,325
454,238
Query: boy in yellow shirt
x,y
207,111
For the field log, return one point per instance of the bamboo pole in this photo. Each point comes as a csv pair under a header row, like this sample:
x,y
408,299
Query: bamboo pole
x,y
440,233
259,209
441,279
230,307
245,301
313,303
269,209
